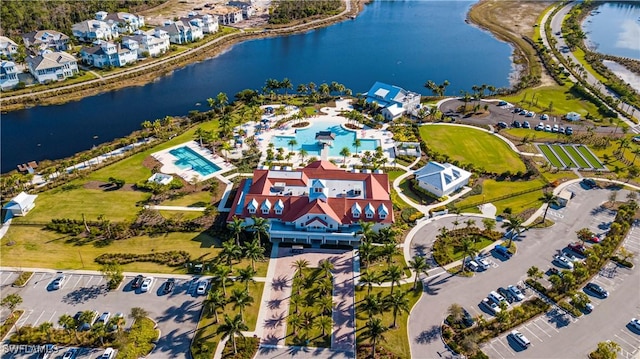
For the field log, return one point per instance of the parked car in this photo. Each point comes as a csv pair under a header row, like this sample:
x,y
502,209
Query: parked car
x,y
555,128
563,261
547,128
59,281
87,325
635,323
544,117
588,308
502,125
517,293
523,112
466,320
503,251
526,124
505,293
168,285
496,297
202,287
568,131
515,124
503,103
589,183
517,110
109,353
146,284
491,305
472,265
561,130
530,114
483,263
520,338
137,281
119,317
576,247
104,318
70,354
539,127
553,271
636,139
593,287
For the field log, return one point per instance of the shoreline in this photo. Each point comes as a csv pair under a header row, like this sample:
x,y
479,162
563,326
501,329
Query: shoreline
x,y
147,73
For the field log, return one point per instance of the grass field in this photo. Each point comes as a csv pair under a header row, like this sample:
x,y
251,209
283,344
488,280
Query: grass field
x,y
473,146
576,156
579,54
551,156
590,157
493,189
197,199
456,255
560,176
535,136
564,156
563,100
396,340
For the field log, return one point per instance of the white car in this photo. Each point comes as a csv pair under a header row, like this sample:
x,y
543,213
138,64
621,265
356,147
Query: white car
x,y
491,305
635,323
520,338
108,353
59,281
516,292
146,284
484,264
563,262
202,287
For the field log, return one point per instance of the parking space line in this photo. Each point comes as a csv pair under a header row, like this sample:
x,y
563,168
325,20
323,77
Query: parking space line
x,y
9,275
24,318
633,337
37,320
619,337
51,318
35,283
490,346
506,346
534,323
78,281
550,326
532,333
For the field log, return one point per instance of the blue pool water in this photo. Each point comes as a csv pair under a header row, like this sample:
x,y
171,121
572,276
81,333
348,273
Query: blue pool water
x,y
189,159
306,138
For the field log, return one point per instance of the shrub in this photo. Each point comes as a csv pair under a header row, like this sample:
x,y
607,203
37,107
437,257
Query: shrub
x,y
171,258
570,308
9,322
22,279
410,215
622,262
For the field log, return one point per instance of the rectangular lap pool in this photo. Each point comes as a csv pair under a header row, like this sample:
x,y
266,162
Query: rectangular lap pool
x,y
189,159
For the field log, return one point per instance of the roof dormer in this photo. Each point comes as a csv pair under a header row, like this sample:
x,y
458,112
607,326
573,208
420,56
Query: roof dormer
x,y
318,190
383,212
252,206
369,211
279,207
356,210
265,207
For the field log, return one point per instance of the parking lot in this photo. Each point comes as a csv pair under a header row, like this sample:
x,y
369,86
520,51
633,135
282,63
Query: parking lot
x,y
176,313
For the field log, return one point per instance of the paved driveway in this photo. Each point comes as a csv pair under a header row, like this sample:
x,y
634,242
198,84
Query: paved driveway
x,y
535,247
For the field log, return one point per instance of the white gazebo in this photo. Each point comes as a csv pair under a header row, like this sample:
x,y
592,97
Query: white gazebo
x,y
161,178
21,204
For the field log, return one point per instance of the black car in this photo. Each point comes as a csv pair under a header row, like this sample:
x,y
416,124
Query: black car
x,y
507,294
589,183
502,125
137,281
597,290
526,124
515,124
168,285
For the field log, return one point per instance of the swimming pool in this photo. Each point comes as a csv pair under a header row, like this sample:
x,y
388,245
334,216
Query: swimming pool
x,y
306,138
190,159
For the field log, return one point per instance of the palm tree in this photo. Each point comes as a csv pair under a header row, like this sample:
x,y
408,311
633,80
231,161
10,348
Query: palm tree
x,y
254,252
398,302
366,229
308,320
232,327
226,147
549,199
299,265
221,101
68,323
357,143
236,228
221,274
389,250
295,321
375,332
345,153
419,265
325,304
364,252
456,312
245,276
302,154
286,85
584,235
372,304
260,226
326,266
241,299
229,253
295,299
534,273
216,300
324,323
489,224
325,286
468,249
513,225
470,223
368,279
292,142
393,274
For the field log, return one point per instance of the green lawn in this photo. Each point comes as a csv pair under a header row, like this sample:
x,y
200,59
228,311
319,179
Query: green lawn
x,y
563,101
197,199
493,189
456,255
473,146
590,157
396,339
579,54
394,174
414,196
398,201
551,156
564,156
535,136
560,176
576,156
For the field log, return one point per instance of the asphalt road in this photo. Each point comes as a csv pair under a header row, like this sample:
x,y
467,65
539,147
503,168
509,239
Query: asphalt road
x,y
176,313
553,333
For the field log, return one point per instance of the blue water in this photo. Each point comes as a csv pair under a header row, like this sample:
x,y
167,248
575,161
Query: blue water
x,y
614,29
189,159
404,43
306,138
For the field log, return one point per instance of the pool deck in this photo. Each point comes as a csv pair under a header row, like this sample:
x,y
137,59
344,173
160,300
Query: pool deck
x,y
330,114
169,167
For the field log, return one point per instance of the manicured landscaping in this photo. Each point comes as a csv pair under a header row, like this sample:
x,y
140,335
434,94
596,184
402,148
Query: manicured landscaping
x,y
595,163
555,162
197,199
140,339
22,279
568,161
448,248
561,97
472,146
10,322
571,150
534,136
494,189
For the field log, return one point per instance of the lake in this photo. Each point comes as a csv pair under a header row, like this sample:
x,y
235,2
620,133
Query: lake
x,y
614,29
404,43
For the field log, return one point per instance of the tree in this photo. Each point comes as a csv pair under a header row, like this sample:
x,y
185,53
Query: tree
x,y
254,252
246,275
550,200
389,250
308,320
357,143
11,301
295,300
46,327
325,304
136,313
374,330
489,224
113,274
99,330
366,230
372,304
345,153
470,223
584,234
221,274
514,227
534,273
365,250
216,300
295,321
68,323
292,142
221,101
580,300
302,154
394,275
625,254
419,265
299,265
241,299
230,252
468,249
456,312
398,302
324,323
326,266
232,327
607,350
260,226
236,228
368,279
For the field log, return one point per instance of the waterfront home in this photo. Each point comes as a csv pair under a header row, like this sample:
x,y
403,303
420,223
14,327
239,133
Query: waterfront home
x,y
7,46
124,22
393,101
209,23
21,204
52,66
247,8
317,204
92,30
441,179
149,43
8,75
42,40
182,32
109,54
227,14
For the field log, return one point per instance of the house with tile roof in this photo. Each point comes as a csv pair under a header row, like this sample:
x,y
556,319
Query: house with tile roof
x,y
52,66
46,39
7,46
108,54
182,32
8,75
393,101
442,179
125,23
317,204
92,30
149,43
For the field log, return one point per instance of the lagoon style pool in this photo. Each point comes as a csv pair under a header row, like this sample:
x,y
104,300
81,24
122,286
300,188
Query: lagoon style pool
x,y
189,159
306,139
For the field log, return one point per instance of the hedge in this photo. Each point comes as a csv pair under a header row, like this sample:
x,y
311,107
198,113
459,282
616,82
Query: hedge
x,y
622,262
22,279
171,258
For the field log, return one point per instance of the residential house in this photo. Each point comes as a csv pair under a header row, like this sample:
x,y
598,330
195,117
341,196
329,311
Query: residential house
x,y
393,101
46,39
92,30
52,66
247,8
181,32
150,43
125,23
7,46
227,15
442,179
209,23
21,204
317,204
8,75
108,54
